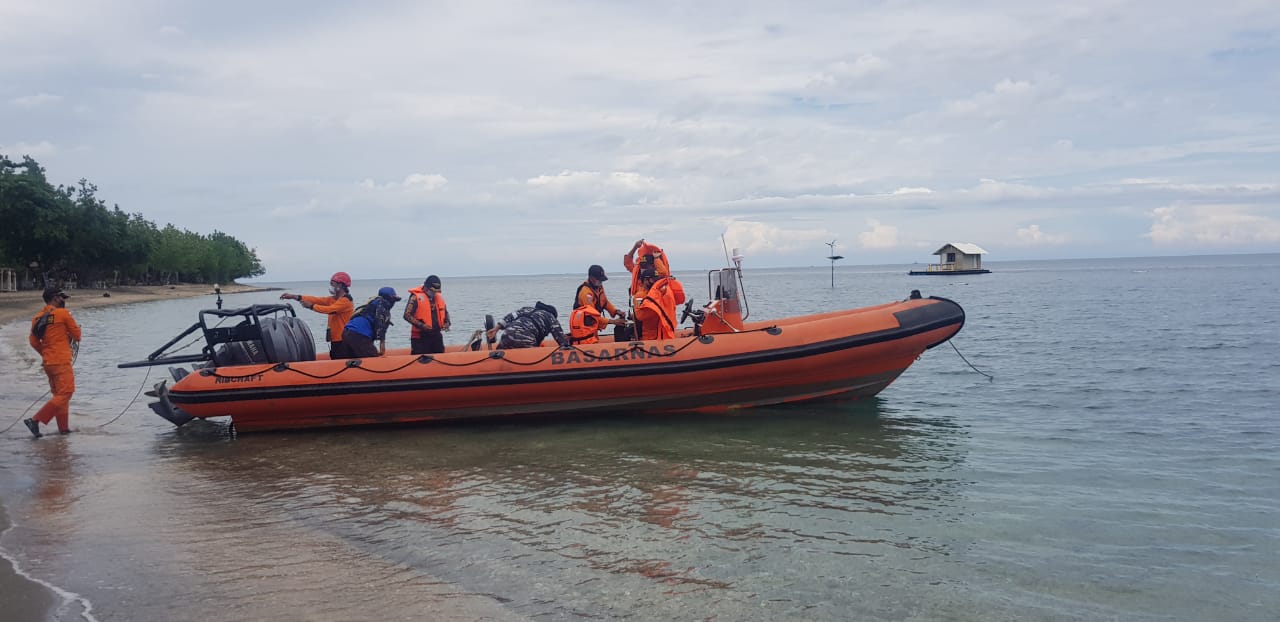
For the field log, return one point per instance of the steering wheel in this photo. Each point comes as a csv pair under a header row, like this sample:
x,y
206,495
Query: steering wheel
x,y
688,310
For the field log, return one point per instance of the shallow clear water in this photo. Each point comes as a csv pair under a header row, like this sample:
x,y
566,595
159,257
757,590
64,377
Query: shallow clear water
x,y
1123,464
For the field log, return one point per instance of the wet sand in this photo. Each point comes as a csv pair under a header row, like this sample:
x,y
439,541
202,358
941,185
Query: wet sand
x,y
23,598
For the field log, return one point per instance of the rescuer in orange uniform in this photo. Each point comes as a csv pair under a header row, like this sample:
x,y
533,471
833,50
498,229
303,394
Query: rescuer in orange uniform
x,y
656,309
589,305
643,255
338,305
56,336
428,314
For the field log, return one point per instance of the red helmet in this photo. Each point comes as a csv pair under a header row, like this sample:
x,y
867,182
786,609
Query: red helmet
x,y
342,277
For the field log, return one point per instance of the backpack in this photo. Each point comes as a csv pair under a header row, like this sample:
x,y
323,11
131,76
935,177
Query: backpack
x,y
369,310
41,325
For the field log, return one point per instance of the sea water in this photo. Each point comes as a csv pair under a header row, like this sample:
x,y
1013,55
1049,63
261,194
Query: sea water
x,y
1123,463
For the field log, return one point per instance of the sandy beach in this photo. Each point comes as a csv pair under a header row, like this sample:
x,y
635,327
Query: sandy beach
x,y
24,304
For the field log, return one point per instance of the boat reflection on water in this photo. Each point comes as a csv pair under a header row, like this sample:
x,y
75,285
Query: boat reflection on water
x,y
638,507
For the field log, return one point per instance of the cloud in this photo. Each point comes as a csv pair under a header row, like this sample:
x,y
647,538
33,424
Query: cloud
x,y
38,150
421,181
1031,235
576,180
597,189
1006,97
798,126
759,238
993,190
413,182
395,199
879,237
848,71
38,100
1215,225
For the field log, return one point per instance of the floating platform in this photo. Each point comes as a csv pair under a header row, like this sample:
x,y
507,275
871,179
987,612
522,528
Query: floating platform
x,y
949,272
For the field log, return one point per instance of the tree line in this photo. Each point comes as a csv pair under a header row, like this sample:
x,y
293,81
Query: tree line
x,y
68,233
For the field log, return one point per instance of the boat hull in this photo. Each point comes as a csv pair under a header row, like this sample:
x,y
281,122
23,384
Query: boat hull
x,y
845,354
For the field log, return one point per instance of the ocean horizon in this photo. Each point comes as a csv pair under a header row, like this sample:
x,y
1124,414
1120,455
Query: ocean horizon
x,y
840,266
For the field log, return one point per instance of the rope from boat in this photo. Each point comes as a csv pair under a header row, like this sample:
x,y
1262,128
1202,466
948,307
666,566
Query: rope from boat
x,y
990,378
147,376
24,413
135,398
351,364
426,358
75,354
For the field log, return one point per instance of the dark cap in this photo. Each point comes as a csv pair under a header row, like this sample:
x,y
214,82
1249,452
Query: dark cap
x,y
432,282
54,291
597,273
545,307
389,293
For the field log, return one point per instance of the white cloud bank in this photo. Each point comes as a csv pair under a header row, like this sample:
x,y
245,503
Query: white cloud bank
x,y
1220,226
35,101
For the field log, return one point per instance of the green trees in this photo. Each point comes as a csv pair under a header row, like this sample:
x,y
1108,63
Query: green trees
x,y
69,232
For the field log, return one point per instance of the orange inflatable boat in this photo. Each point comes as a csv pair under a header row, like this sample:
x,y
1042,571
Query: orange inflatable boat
x,y
263,372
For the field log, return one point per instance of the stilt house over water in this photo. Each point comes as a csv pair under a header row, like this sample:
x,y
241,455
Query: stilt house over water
x,y
956,258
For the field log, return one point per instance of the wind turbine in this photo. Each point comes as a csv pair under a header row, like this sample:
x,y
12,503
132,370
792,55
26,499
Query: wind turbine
x,y
833,257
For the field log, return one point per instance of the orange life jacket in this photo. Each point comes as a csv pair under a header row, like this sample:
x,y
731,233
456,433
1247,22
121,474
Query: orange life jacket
x,y
432,315
656,310
585,324
640,259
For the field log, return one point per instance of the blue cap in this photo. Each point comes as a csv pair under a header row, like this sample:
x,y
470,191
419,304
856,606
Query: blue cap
x,y
389,293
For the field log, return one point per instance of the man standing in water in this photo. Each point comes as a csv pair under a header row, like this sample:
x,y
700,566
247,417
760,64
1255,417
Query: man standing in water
x,y
56,336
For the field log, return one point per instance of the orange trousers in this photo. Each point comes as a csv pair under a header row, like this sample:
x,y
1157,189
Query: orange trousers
x,y
62,383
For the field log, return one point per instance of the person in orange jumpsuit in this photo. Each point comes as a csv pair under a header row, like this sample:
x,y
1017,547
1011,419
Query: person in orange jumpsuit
x,y
591,293
656,309
56,336
589,305
644,255
338,305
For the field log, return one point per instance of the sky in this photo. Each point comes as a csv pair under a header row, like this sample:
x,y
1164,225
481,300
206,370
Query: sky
x,y
399,139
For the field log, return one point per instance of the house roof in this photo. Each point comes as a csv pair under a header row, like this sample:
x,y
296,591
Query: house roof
x,y
963,247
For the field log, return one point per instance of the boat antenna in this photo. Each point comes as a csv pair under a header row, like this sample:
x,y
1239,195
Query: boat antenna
x,y
833,257
726,251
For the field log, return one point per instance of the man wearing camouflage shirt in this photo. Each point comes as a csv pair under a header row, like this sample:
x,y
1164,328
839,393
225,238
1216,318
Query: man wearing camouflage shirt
x,y
528,326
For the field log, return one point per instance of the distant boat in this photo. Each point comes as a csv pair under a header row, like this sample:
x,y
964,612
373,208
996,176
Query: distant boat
x,y
956,258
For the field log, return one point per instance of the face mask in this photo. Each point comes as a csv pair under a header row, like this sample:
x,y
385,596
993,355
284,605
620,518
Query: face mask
x,y
333,290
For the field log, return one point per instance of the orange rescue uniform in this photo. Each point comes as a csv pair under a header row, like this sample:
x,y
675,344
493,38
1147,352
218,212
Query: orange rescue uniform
x,y
338,308
634,260
656,310
589,296
55,350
